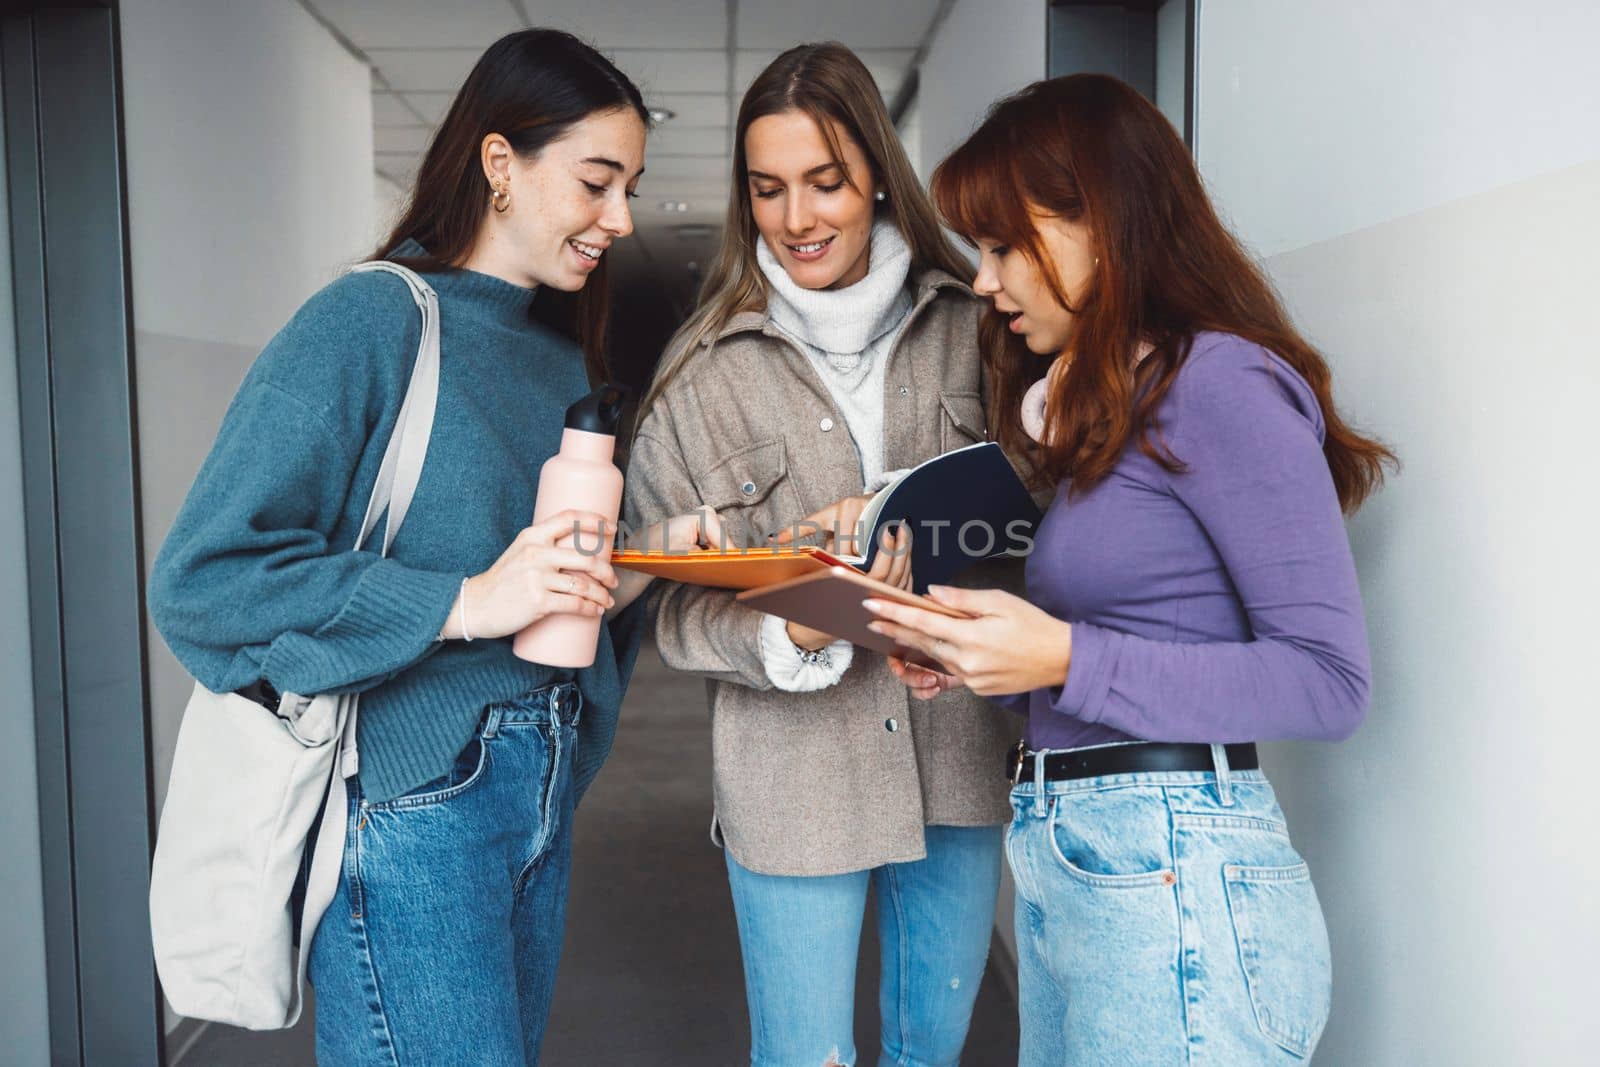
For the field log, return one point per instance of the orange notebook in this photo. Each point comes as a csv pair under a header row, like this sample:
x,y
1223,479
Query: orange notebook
x,y
749,568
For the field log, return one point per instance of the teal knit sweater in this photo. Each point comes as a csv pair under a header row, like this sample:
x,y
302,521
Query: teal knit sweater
x,y
258,580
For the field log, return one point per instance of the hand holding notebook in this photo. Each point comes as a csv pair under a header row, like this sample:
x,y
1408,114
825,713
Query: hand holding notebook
x,y
959,508
832,602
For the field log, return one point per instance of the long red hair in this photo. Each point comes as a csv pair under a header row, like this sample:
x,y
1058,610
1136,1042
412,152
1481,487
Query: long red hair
x,y
1090,148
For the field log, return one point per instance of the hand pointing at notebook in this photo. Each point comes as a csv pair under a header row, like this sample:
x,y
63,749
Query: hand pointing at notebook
x,y
840,518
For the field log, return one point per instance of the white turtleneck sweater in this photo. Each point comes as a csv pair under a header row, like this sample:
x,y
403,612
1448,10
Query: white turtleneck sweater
x,y
847,334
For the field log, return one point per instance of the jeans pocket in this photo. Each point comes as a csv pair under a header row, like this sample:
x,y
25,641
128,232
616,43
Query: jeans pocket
x,y
1112,842
467,771
1283,948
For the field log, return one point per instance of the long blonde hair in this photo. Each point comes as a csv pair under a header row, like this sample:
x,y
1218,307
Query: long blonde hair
x,y
829,83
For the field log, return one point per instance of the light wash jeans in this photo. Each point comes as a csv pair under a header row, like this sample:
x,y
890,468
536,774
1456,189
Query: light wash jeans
x,y
1164,919
442,943
800,937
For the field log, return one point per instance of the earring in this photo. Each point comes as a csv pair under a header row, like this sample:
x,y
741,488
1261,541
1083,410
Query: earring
x,y
880,196
500,198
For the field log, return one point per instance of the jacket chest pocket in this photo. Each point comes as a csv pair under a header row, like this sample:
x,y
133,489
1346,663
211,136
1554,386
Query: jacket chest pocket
x,y
751,491
961,421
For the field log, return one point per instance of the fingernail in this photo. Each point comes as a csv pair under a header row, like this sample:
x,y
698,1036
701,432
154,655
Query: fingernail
x,y
875,627
937,588
872,605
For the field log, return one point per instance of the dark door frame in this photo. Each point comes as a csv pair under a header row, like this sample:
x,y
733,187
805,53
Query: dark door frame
x,y
1140,47
64,160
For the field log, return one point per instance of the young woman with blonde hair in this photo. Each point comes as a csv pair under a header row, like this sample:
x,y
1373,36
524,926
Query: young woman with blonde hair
x,y
835,343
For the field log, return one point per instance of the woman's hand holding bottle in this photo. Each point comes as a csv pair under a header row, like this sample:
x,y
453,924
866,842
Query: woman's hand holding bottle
x,y
552,567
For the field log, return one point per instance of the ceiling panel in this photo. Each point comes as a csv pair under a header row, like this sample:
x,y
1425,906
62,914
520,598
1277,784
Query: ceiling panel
x,y
663,169
664,71
778,24
613,24
694,109
887,66
399,167
430,69
410,23
431,106
390,140
672,139
389,110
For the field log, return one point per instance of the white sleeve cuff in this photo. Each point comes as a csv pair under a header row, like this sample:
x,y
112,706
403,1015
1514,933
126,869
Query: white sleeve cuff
x,y
793,669
882,481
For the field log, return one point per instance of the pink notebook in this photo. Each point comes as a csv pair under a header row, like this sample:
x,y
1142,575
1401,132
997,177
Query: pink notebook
x,y
830,601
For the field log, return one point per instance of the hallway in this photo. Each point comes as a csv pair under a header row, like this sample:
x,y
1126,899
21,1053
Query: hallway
x,y
650,929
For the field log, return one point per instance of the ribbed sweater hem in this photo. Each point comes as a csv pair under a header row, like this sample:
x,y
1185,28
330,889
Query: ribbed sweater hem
x,y
413,728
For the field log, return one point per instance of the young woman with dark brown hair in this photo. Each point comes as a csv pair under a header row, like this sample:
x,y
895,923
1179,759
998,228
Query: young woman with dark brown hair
x,y
1191,590
441,944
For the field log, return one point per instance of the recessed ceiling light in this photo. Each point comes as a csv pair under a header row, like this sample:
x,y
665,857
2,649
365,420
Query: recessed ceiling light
x,y
677,206
662,114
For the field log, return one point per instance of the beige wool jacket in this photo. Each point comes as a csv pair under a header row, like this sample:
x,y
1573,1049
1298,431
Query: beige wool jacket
x,y
845,778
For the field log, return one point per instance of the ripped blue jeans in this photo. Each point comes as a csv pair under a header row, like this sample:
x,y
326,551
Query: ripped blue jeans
x,y
441,944
800,937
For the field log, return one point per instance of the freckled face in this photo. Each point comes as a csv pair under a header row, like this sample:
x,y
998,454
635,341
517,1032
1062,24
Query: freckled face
x,y
573,199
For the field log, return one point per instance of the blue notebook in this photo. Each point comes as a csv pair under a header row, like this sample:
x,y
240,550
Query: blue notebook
x,y
959,508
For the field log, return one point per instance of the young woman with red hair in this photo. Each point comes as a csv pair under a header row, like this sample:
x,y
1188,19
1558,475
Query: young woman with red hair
x,y
1191,590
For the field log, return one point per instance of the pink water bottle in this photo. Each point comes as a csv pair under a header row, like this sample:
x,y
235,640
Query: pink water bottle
x,y
580,476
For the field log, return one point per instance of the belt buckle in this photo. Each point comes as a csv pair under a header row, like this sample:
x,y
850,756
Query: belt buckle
x,y
1019,755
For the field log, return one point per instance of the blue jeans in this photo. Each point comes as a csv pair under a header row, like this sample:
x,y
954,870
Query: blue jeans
x,y
1164,919
442,942
800,937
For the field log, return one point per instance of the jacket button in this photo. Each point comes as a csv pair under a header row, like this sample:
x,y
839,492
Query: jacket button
x,y
826,424
749,488
905,390
891,725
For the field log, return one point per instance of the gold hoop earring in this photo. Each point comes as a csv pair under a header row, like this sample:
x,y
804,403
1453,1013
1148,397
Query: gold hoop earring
x,y
500,198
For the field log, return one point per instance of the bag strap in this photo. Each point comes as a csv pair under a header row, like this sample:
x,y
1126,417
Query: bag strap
x,y
408,444
396,484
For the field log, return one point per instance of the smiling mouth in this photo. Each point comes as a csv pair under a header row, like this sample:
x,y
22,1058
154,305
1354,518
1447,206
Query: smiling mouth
x,y
809,249
587,251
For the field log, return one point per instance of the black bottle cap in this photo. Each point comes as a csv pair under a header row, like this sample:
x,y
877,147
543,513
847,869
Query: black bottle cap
x,y
600,411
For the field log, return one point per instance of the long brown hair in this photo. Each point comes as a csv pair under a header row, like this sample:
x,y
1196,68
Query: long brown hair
x,y
531,87
1090,148
829,83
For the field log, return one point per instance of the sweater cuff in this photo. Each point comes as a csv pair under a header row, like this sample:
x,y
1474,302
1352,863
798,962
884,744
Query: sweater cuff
x,y
883,480
389,622
1088,675
793,669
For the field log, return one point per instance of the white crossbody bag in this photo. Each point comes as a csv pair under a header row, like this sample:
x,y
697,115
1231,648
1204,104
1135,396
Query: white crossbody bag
x,y
246,785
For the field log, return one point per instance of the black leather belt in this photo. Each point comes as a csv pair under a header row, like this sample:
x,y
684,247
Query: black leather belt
x,y
1139,758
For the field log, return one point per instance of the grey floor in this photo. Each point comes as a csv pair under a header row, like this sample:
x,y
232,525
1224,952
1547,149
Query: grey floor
x,y
650,973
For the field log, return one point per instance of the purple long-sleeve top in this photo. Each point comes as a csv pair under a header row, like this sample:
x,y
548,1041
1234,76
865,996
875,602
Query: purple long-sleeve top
x,y
1215,604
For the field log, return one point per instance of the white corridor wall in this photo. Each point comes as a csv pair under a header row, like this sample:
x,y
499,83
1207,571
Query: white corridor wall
x,y
1424,182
